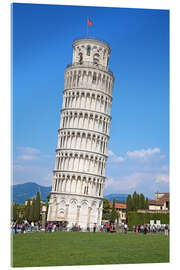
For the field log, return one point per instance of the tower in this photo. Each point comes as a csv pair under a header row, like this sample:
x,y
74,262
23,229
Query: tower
x,y
81,154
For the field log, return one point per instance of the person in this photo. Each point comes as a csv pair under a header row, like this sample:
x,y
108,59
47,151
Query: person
x,y
32,226
54,227
107,227
50,227
94,228
25,225
145,229
166,230
15,227
22,227
39,225
125,228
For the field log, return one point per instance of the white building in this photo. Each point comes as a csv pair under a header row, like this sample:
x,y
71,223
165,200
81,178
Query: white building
x,y
81,155
161,202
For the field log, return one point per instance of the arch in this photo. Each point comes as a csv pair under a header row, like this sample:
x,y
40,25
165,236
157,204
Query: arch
x,y
88,50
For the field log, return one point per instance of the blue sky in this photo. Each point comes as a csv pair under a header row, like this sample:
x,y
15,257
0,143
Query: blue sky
x,y
42,37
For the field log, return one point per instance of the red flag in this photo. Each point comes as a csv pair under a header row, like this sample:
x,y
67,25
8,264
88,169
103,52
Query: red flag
x,y
89,22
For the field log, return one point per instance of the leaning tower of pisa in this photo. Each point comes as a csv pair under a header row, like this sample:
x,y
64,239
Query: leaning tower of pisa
x,y
81,154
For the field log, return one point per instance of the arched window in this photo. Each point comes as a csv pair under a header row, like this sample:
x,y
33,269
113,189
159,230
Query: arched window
x,y
94,78
108,61
80,58
96,58
88,50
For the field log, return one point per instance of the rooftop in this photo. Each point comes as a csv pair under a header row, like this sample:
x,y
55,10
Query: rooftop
x,y
91,38
117,205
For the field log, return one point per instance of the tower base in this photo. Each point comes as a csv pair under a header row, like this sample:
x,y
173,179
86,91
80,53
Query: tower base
x,y
76,210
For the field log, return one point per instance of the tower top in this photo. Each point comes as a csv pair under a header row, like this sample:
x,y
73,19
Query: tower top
x,y
92,51
91,39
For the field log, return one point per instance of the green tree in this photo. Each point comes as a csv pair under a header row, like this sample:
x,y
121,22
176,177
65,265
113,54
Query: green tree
x,y
135,201
37,206
146,203
114,213
27,210
32,215
14,212
129,203
34,209
106,209
48,197
141,201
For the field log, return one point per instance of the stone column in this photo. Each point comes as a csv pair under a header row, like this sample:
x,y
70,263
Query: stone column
x,y
67,212
78,214
88,217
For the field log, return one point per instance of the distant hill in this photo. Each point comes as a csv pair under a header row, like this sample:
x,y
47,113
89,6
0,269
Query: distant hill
x,y
22,192
117,197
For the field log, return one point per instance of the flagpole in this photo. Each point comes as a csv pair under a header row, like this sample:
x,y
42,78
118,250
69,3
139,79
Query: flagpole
x,y
87,27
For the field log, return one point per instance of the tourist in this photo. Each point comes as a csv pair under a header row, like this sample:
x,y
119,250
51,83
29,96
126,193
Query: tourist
x,y
22,227
141,228
145,229
125,228
94,228
39,225
166,230
50,227
15,227
25,224
107,227
54,228
32,226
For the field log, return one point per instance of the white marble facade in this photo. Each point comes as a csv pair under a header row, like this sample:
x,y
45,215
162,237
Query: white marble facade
x,y
81,154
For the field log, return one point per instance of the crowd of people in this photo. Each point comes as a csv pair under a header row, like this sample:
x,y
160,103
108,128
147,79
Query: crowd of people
x,y
29,227
25,226
148,228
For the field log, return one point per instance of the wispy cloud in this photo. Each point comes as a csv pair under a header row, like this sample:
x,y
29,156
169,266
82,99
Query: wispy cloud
x,y
162,178
114,158
30,164
27,154
147,183
125,183
143,153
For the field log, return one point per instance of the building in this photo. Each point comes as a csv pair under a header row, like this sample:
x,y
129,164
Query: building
x,y
161,202
159,205
121,208
81,154
41,202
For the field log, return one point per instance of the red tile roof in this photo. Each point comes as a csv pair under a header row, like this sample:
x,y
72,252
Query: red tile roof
x,y
117,205
160,201
154,202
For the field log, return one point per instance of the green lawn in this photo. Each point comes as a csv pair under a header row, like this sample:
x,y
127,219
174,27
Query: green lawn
x,y
78,248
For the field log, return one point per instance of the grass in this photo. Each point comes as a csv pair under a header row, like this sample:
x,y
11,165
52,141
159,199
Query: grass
x,y
78,248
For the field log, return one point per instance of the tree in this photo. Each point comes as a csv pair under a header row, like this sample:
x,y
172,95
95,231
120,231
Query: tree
x,y
14,212
27,211
146,203
37,206
48,197
135,201
141,201
129,203
106,209
114,213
